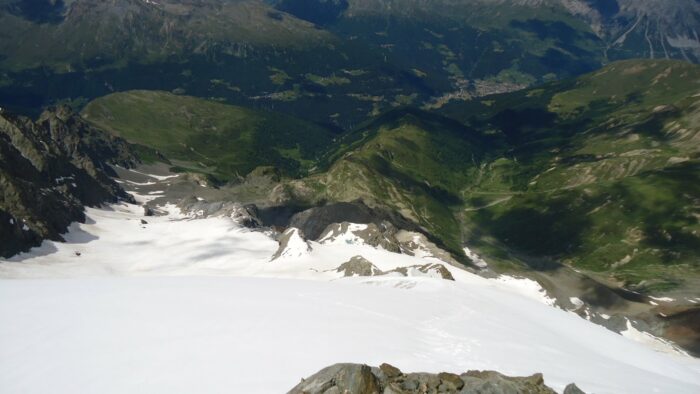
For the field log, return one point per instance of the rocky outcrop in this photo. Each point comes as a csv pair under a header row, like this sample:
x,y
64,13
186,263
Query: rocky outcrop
x,y
417,244
386,236
291,245
573,389
340,378
245,215
380,235
360,266
429,270
387,379
313,222
49,170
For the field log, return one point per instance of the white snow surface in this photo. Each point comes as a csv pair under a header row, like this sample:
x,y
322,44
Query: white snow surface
x,y
527,288
182,305
662,299
475,258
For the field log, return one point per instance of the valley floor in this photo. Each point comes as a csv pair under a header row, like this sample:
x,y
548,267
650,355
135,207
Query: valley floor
x,y
182,305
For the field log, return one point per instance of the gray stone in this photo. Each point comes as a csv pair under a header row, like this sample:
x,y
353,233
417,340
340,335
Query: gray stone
x,y
450,381
573,389
314,221
359,266
491,382
387,379
340,378
390,371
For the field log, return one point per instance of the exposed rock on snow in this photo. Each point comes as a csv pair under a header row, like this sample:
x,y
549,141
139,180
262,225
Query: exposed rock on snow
x,y
387,237
291,245
213,280
361,379
313,222
340,378
381,235
244,215
360,266
573,389
429,270
49,170
417,244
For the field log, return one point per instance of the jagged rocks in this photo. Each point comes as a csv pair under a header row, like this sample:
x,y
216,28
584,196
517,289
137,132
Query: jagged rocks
x,y
49,170
313,222
494,382
381,235
245,215
417,244
340,379
572,389
430,270
387,379
384,235
359,266
291,244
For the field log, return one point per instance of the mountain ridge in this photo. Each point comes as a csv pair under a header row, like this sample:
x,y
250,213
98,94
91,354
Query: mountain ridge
x,y
49,171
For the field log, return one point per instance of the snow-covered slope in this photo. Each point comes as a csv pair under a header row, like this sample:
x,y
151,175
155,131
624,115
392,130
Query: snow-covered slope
x,y
181,305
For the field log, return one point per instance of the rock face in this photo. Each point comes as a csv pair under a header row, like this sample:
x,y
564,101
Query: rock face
x,y
380,235
359,266
245,215
49,170
387,379
573,389
340,378
431,270
291,245
386,236
314,221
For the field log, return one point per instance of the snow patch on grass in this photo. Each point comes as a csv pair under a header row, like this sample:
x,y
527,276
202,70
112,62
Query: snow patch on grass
x,y
526,287
651,341
662,299
475,258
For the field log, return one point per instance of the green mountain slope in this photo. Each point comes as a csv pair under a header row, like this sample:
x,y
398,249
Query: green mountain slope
x,y
600,173
348,59
96,34
205,136
409,161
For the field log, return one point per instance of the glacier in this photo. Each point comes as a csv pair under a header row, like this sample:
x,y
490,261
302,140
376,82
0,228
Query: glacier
x,y
181,304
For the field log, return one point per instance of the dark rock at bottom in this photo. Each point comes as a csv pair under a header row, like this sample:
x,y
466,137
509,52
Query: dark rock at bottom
x,y
387,379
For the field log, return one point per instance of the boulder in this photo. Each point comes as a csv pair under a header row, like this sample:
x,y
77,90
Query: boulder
x,y
359,266
387,379
377,235
340,378
431,270
496,383
573,389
